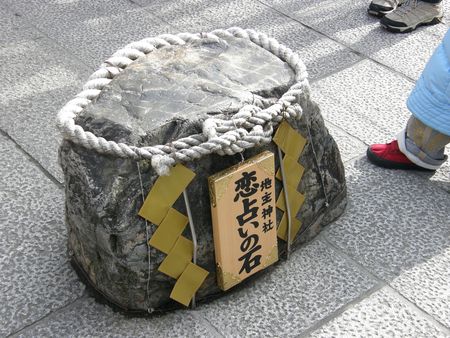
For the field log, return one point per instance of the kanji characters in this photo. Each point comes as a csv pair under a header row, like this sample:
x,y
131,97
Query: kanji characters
x,y
246,186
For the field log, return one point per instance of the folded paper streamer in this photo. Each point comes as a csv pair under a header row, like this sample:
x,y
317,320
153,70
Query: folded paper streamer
x,y
178,258
164,193
188,283
289,140
169,231
157,208
282,228
294,170
296,200
292,144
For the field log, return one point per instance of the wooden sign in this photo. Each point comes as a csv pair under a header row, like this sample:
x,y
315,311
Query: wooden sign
x,y
244,219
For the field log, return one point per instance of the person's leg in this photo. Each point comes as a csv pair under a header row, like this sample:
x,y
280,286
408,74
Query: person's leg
x,y
417,147
412,14
421,144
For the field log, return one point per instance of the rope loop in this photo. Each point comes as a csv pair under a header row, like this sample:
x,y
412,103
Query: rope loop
x,y
251,126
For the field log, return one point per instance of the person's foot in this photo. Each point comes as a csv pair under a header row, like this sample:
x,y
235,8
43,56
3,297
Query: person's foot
x,y
389,156
412,14
380,8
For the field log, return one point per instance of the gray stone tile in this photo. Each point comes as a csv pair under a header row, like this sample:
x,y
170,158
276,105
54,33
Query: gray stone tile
x,y
446,19
86,318
96,39
93,30
442,176
349,146
383,314
357,101
428,285
315,282
36,277
38,66
14,29
348,22
395,220
320,54
35,85
185,15
31,122
397,54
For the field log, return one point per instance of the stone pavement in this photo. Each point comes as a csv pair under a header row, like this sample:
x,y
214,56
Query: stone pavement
x,y
383,269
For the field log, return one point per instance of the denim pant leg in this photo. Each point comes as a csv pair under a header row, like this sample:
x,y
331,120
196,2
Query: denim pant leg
x,y
423,145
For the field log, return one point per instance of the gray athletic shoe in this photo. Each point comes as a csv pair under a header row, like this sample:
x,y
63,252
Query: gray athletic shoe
x,y
411,15
382,7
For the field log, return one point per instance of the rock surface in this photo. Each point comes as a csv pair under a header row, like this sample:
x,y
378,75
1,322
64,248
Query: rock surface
x,y
158,99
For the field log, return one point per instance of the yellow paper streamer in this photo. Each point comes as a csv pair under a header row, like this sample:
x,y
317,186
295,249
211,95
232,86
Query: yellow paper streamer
x,y
296,200
168,231
178,258
282,228
164,193
189,282
292,169
289,140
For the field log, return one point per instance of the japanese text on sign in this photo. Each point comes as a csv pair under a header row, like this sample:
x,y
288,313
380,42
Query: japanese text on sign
x,y
244,221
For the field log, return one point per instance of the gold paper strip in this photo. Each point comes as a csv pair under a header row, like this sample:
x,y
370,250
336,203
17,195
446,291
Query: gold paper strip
x,y
289,140
293,170
164,193
168,231
189,282
178,258
296,200
282,228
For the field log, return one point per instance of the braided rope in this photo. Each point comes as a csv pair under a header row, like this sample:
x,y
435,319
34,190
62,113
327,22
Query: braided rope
x,y
251,126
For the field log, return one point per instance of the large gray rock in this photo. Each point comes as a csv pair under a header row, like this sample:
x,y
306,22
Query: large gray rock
x,y
160,98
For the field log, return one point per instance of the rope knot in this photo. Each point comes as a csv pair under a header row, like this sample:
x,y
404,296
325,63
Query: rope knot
x,y
162,164
210,128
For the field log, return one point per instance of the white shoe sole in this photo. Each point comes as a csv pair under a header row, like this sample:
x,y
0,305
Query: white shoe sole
x,y
396,29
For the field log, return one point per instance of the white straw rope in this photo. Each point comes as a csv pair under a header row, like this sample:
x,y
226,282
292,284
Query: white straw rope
x,y
252,125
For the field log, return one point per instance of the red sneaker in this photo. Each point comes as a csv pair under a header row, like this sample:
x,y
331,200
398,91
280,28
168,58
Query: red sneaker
x,y
389,156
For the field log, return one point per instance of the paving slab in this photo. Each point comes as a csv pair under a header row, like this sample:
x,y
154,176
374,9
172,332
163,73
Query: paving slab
x,y
314,283
356,101
31,122
394,220
93,30
36,278
441,177
320,54
35,85
428,285
14,29
87,318
349,146
446,18
37,66
347,21
185,15
383,314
